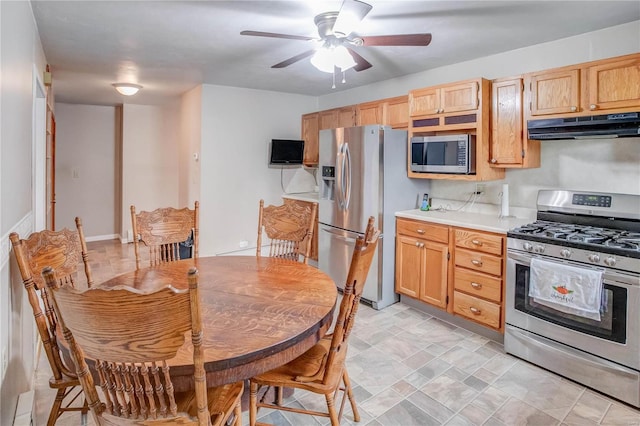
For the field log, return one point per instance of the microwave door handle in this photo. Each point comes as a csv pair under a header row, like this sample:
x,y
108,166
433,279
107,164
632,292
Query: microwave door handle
x,y
347,185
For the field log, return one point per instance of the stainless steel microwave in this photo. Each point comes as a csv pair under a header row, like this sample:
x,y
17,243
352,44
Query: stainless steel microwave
x,y
444,154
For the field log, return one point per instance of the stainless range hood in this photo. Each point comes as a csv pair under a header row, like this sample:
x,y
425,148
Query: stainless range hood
x,y
619,125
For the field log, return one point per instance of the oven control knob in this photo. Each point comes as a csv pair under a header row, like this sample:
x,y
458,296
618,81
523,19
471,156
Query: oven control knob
x,y
594,258
539,249
527,246
610,261
566,253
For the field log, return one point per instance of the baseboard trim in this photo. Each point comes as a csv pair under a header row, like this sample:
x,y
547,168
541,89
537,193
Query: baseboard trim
x,y
103,237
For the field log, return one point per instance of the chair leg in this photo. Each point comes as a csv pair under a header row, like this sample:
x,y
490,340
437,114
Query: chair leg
x,y
253,403
238,414
347,389
278,391
332,410
55,408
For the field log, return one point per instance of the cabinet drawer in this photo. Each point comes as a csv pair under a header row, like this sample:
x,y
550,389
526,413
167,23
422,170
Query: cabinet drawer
x,y
423,230
478,284
476,309
474,240
477,261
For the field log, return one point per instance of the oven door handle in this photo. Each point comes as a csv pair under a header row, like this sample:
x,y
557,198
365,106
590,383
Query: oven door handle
x,y
525,259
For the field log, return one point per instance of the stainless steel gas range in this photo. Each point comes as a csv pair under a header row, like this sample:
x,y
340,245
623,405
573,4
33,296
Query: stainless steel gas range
x,y
578,236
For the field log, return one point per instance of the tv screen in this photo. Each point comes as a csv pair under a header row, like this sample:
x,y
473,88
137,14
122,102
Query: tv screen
x,y
286,151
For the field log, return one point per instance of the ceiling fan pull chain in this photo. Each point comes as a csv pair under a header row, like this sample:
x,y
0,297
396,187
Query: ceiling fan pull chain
x,y
334,79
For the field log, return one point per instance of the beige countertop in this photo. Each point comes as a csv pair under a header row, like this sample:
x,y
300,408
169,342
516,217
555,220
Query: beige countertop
x,y
473,220
311,197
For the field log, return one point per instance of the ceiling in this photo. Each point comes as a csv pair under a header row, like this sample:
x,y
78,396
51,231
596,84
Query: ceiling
x,y
170,47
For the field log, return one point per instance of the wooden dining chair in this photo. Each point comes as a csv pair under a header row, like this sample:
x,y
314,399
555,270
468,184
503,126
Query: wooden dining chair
x,y
289,228
322,368
162,231
64,250
131,335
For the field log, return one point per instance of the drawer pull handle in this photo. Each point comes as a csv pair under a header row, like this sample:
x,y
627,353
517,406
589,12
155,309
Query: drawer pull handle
x,y
420,231
476,242
476,286
477,262
475,311
419,244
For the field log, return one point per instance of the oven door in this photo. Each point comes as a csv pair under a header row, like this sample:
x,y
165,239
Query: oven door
x,y
614,337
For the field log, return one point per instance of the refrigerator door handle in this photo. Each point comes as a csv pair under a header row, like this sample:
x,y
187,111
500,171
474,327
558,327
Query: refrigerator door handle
x,y
340,176
347,186
340,234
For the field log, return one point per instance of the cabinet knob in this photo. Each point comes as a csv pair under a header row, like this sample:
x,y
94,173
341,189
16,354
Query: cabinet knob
x,y
475,311
494,161
476,262
421,245
477,286
420,231
593,106
476,242
417,244
574,109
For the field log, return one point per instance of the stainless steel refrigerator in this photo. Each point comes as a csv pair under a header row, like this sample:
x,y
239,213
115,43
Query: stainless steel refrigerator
x,y
363,173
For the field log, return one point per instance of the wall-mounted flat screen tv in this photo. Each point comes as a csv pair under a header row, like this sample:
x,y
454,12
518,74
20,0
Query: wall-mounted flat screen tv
x,y
286,151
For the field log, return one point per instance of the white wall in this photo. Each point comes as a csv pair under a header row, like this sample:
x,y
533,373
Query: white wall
x,y
596,165
190,133
86,167
20,50
237,127
150,152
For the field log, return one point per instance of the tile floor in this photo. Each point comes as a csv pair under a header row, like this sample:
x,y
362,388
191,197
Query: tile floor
x,y
409,368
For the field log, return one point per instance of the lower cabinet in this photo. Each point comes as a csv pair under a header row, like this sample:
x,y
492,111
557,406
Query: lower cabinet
x,y
472,287
422,261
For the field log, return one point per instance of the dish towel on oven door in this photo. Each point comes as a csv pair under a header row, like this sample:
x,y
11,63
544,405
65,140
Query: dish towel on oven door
x,y
568,289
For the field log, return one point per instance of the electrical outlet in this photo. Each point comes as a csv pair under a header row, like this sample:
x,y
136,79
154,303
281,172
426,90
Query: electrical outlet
x,y
480,188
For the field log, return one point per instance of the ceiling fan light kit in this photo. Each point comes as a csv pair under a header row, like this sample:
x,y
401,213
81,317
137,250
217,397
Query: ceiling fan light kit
x,y
127,89
334,30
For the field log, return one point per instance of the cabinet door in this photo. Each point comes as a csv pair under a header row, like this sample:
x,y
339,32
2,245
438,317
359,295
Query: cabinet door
x,y
310,137
328,119
424,102
347,116
506,138
410,266
370,113
459,97
397,113
555,92
614,84
433,288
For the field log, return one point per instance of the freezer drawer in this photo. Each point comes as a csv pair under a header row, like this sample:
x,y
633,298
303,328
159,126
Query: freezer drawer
x,y
335,248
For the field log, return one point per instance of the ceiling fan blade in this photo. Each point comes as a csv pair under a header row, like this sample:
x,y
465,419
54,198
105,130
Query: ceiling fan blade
x,y
397,40
275,35
350,15
361,63
294,59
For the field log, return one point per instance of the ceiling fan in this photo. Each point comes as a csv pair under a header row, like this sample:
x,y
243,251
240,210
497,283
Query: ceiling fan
x,y
335,31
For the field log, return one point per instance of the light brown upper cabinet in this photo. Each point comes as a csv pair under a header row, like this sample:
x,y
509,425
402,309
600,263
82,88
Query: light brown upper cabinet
x,y
445,99
328,119
338,117
614,84
609,85
392,112
509,145
370,113
397,112
310,136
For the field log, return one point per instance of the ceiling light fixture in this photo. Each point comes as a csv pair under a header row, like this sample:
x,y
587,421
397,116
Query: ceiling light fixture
x,y
327,58
127,89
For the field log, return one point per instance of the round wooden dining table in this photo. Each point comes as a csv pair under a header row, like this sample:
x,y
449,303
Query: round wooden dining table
x,y
258,312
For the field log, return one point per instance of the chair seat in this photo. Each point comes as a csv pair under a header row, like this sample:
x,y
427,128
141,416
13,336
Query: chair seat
x,y
220,398
306,371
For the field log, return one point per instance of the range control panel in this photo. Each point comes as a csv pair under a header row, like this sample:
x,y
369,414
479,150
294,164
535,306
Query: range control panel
x,y
593,200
